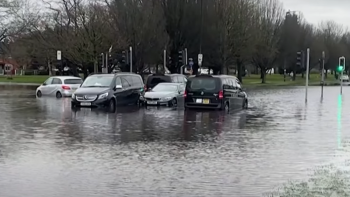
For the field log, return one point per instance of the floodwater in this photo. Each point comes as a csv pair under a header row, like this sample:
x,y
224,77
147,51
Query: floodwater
x,y
47,150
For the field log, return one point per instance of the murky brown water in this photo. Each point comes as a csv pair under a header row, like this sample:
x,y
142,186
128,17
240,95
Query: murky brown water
x,y
46,150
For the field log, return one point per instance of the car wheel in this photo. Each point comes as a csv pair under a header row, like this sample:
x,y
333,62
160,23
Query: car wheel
x,y
112,106
173,102
245,104
38,93
227,107
72,105
58,95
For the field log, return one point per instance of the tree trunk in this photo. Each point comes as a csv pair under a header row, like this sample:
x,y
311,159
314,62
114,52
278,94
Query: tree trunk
x,y
239,68
263,75
85,71
49,66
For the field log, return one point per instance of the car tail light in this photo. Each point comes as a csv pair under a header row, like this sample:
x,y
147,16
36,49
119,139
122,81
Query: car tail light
x,y
66,87
185,93
145,88
221,94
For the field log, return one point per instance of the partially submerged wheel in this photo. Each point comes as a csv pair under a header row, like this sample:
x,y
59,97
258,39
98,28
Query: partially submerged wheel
x,y
38,93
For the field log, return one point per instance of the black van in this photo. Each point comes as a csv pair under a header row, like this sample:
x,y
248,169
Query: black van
x,y
153,79
109,90
221,92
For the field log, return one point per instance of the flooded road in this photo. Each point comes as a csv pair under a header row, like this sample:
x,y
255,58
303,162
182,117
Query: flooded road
x,y
47,150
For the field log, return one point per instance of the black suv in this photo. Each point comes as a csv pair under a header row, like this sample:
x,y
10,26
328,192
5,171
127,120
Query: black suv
x,y
108,90
222,92
153,79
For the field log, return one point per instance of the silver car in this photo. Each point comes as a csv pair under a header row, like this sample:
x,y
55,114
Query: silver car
x,y
164,94
59,86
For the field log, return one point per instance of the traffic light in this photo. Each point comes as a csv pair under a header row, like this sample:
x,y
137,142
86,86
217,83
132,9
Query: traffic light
x,y
180,57
341,66
169,61
299,58
101,60
123,59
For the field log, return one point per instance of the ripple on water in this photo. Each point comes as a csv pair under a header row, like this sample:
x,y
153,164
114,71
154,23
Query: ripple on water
x,y
48,150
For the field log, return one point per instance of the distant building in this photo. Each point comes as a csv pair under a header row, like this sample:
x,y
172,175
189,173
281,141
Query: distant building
x,y
6,64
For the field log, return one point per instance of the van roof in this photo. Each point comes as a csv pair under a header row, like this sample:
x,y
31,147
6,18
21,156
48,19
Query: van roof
x,y
216,76
113,74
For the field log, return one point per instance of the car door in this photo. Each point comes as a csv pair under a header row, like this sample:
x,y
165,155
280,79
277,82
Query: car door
x,y
181,89
228,90
240,93
45,86
134,88
237,100
127,93
55,86
118,93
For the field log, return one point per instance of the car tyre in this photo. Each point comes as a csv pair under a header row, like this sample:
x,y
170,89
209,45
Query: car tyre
x,y
245,104
173,102
227,107
112,106
58,95
39,94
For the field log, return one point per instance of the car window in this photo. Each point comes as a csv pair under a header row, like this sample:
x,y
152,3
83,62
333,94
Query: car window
x,y
73,81
175,79
129,80
48,81
199,83
182,87
165,88
56,81
226,83
238,84
118,81
125,82
137,81
235,86
98,81
154,80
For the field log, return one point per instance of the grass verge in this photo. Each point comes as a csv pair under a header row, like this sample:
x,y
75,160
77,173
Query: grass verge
x,y
252,80
25,79
278,80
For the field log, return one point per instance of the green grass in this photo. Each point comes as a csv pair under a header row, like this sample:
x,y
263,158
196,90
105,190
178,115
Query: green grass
x,y
278,80
252,80
25,79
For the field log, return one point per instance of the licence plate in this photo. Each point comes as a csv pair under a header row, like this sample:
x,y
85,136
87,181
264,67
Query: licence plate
x,y
85,104
199,100
205,101
152,102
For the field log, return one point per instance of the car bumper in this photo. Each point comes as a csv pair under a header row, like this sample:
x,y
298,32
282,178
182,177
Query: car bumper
x,y
203,106
155,103
96,103
67,93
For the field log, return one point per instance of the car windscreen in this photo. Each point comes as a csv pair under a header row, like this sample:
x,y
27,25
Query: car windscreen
x,y
203,84
73,81
98,81
155,80
165,88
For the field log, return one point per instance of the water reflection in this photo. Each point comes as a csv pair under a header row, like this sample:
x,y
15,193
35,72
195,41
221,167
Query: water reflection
x,y
46,149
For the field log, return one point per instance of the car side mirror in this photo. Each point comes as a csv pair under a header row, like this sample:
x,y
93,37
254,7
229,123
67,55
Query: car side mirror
x,y
118,87
44,84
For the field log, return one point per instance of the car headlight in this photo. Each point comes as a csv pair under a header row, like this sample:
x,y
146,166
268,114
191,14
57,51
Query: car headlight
x,y
102,96
73,96
166,98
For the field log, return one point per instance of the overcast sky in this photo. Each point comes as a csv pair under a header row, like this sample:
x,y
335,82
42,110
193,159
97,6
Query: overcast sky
x,y
315,11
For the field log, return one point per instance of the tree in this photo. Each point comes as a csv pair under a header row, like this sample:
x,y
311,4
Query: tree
x,y
268,24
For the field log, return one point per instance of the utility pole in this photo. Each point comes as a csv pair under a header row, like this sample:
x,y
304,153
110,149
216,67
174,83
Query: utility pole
x,y
130,59
322,74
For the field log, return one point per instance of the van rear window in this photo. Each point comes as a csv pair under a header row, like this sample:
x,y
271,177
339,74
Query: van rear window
x,y
155,80
204,84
